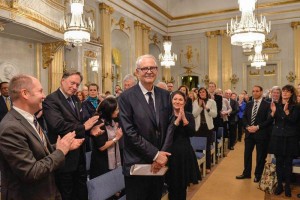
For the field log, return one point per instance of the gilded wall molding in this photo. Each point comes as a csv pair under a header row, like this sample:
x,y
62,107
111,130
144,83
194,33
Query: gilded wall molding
x,y
146,28
90,54
213,33
295,25
16,9
104,7
137,24
48,51
154,39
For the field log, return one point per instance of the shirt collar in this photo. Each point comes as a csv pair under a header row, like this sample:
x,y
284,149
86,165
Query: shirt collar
x,y
66,96
144,90
29,117
258,101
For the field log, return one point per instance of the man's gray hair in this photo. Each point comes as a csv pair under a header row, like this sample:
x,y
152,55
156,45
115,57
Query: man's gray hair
x,y
129,77
17,83
276,88
139,60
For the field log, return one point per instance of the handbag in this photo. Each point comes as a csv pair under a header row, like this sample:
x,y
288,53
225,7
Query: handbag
x,y
268,179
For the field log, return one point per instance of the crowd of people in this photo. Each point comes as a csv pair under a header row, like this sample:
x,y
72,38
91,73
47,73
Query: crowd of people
x,y
44,139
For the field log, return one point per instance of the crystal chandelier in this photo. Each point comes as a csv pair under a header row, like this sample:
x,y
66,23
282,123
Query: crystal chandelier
x,y
249,30
76,29
167,59
258,60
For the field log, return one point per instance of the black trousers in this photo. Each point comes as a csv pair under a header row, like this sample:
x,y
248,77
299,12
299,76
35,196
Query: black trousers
x,y
144,187
240,129
261,154
232,133
72,185
284,169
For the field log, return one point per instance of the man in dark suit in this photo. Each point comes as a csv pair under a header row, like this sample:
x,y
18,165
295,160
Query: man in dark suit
x,y
257,124
62,111
27,159
5,102
145,111
232,118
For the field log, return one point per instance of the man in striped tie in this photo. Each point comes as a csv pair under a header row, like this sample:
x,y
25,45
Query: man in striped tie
x,y
256,123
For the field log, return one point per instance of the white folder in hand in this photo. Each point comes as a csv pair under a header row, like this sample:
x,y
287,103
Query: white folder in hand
x,y
145,170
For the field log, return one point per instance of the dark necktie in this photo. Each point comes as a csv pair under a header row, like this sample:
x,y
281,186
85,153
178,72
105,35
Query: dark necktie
x,y
69,99
41,134
151,104
254,113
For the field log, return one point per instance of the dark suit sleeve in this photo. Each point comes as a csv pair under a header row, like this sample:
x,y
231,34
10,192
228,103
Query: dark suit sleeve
x,y
235,108
169,135
135,139
16,150
245,116
58,122
265,123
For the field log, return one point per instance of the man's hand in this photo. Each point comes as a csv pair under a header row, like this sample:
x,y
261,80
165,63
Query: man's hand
x,y
96,130
162,158
155,167
252,129
90,122
76,144
64,143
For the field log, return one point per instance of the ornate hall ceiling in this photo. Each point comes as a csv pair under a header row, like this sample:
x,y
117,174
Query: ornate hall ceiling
x,y
192,16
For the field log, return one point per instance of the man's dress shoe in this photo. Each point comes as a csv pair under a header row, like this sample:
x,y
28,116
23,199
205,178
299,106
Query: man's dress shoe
x,y
242,177
256,180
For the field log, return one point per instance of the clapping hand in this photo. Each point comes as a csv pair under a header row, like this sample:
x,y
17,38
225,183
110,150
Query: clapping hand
x,y
286,108
96,130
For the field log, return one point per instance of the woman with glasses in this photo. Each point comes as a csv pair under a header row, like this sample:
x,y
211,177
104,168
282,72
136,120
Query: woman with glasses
x,y
284,139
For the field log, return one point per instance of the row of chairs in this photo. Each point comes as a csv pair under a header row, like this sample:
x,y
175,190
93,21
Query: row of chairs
x,y
199,146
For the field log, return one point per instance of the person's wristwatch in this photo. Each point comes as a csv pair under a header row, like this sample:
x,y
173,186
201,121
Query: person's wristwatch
x,y
115,140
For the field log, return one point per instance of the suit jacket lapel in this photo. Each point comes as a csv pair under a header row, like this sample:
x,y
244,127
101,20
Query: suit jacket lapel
x,y
26,124
77,107
157,104
66,104
142,100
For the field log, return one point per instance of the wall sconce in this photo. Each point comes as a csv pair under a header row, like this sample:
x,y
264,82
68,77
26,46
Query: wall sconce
x,y
205,80
291,77
234,79
105,75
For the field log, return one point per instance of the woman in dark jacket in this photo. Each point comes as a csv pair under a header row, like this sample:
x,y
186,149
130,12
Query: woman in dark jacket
x,y
106,153
183,166
89,107
284,139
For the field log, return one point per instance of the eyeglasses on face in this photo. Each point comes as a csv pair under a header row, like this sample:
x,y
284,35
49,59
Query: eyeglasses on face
x,y
146,69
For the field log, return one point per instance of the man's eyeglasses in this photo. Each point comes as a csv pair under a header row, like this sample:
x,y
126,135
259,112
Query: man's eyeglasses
x,y
146,69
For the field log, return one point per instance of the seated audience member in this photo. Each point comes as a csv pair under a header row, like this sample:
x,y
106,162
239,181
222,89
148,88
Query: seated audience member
x,y
81,96
189,104
183,166
105,152
27,159
89,107
204,113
